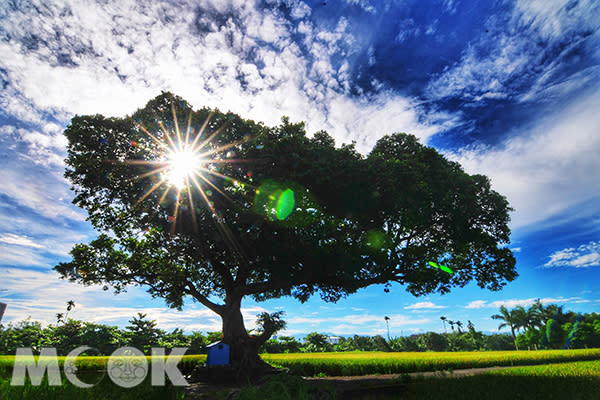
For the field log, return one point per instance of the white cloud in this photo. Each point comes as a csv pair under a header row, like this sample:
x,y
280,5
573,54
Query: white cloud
x,y
120,63
482,77
511,303
33,187
364,4
355,320
423,305
527,302
11,238
19,256
547,168
40,295
476,304
552,18
494,61
586,255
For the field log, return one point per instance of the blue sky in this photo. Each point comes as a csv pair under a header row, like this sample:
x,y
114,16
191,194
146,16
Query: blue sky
x,y
509,89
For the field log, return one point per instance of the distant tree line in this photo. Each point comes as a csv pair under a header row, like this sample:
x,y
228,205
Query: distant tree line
x,y
550,327
430,341
142,333
538,327
69,334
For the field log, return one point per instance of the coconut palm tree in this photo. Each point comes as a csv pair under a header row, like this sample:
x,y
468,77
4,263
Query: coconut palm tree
x,y
459,326
535,315
451,324
444,322
511,320
388,326
561,317
521,318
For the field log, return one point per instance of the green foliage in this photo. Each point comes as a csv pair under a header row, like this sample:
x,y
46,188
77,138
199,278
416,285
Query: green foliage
x,y
498,342
174,339
330,221
270,323
550,327
316,342
432,341
283,344
407,344
198,343
143,334
287,387
213,337
25,333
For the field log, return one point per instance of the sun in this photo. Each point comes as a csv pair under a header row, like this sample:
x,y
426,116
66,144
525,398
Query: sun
x,y
181,166
185,163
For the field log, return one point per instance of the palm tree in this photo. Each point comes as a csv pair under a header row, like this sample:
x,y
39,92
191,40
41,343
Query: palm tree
x,y
451,324
561,318
70,306
459,326
511,320
388,326
444,322
535,315
520,318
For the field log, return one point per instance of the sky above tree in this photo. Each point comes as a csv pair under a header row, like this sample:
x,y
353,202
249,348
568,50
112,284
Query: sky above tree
x,y
509,89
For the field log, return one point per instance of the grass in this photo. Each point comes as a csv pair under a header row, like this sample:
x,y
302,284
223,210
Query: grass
x,y
104,390
366,363
97,363
557,376
565,381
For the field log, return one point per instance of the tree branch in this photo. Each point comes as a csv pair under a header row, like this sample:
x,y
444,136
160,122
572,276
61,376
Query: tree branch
x,y
192,291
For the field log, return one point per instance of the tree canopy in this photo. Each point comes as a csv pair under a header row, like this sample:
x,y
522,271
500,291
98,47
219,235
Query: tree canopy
x,y
269,212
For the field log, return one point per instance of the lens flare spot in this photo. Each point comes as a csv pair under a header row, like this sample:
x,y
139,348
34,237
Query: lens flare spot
x,y
442,267
285,204
376,240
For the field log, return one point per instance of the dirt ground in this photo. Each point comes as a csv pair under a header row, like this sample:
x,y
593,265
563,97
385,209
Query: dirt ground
x,y
347,387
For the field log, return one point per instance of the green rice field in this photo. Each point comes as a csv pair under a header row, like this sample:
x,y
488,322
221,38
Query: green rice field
x,y
564,381
366,363
560,374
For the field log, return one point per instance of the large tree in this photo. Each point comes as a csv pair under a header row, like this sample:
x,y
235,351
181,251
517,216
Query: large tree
x,y
209,206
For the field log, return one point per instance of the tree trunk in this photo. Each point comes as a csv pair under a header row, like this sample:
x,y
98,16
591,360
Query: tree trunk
x,y
514,338
243,349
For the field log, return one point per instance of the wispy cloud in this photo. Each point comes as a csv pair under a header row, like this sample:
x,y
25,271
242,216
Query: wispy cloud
x,y
423,305
477,304
529,55
40,295
117,63
511,303
586,255
396,320
19,240
547,168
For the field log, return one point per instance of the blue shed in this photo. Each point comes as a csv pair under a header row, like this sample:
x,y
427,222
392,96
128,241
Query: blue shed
x,y
217,354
